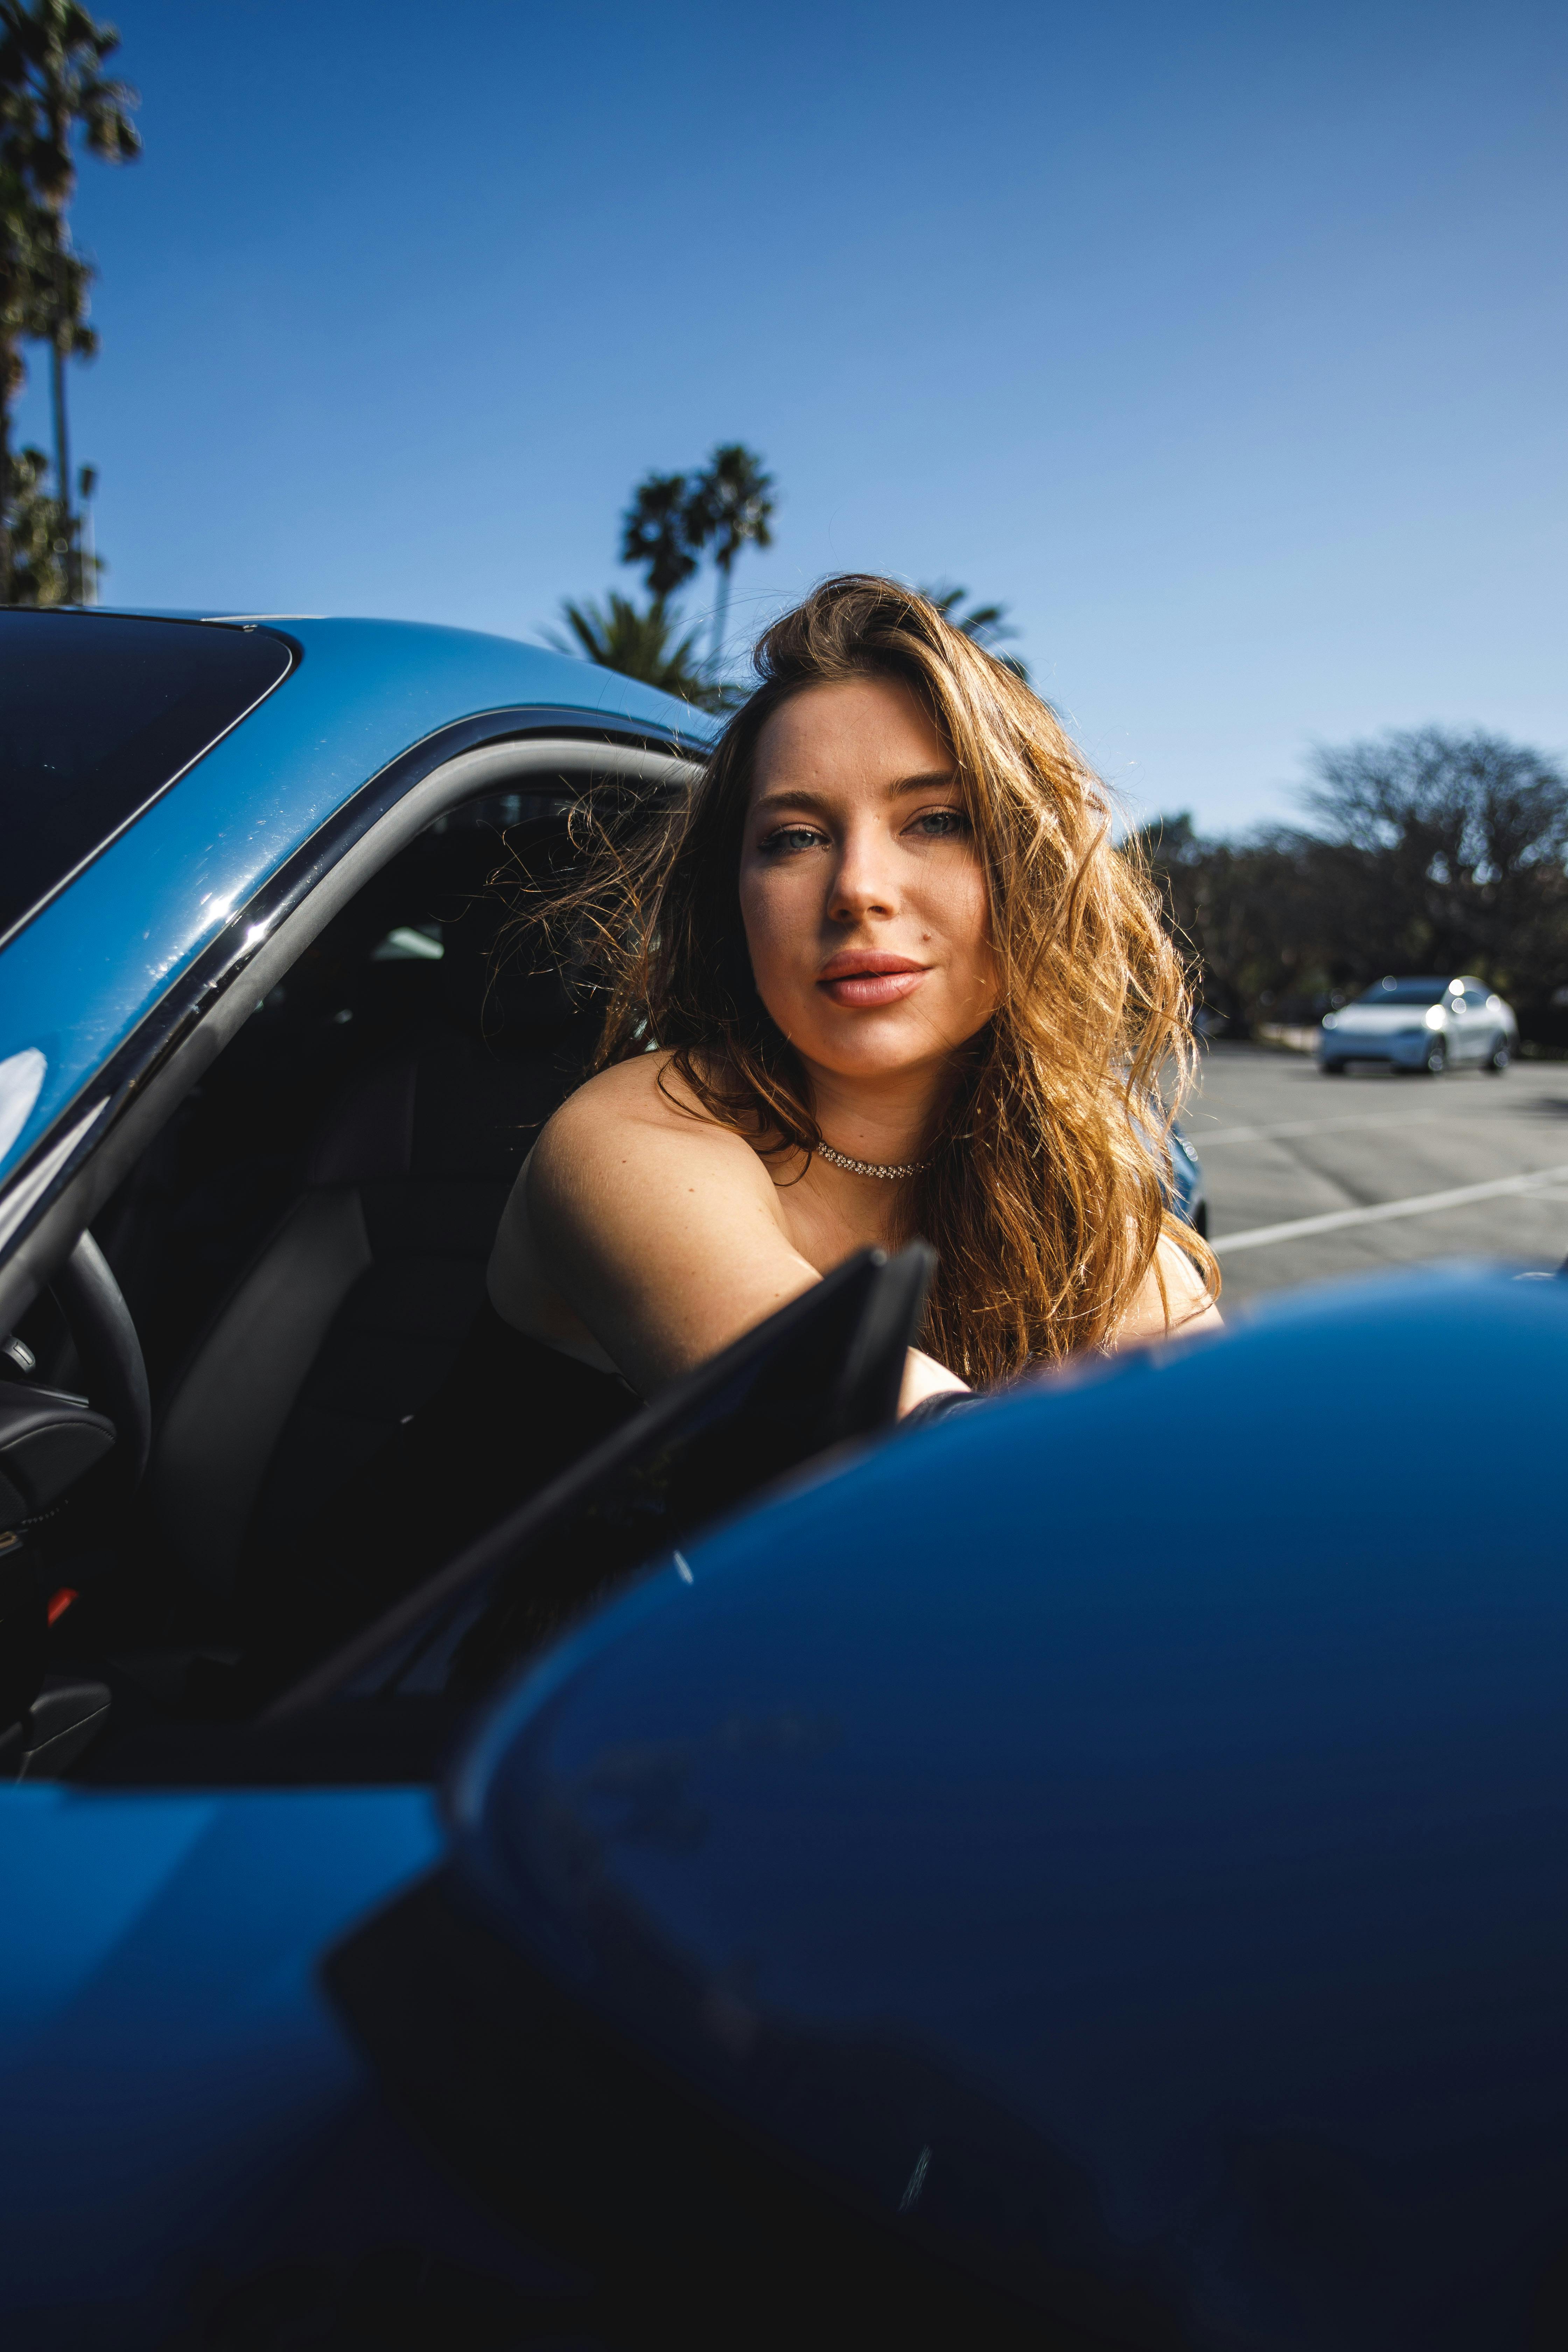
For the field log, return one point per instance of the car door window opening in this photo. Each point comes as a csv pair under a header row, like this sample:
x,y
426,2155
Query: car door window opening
x,y
302,1244
234,1165
143,1080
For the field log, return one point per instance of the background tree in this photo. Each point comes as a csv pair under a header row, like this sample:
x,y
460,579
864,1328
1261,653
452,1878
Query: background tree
x,y
672,520
987,624
1245,913
641,645
48,565
656,534
730,507
1433,851
26,240
1460,842
52,53
675,518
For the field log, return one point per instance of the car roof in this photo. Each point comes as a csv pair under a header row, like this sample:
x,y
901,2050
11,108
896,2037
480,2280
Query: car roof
x,y
1423,980
77,980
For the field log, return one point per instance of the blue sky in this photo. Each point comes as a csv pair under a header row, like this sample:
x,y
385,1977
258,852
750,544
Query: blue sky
x,y
1226,344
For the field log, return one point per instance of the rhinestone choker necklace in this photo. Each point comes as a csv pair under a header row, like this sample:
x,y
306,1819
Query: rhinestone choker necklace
x,y
866,1167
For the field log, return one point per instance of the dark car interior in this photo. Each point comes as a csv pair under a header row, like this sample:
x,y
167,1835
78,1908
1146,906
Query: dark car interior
x,y
274,1292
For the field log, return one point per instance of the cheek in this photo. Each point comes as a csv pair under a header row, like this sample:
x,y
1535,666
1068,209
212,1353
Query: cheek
x,y
959,909
773,919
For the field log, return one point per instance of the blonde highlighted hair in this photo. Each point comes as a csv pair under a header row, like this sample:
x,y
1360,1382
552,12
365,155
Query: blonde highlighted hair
x,y
1048,1170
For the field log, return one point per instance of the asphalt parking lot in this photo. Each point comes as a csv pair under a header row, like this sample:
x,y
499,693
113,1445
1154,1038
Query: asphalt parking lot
x,y
1310,1177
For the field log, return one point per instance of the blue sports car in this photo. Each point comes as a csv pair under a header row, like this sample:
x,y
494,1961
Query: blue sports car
x,y
792,1878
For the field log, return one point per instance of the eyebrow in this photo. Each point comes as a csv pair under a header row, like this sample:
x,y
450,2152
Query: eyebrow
x,y
936,779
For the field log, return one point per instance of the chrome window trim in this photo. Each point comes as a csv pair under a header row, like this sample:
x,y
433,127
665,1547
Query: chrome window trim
x,y
52,1194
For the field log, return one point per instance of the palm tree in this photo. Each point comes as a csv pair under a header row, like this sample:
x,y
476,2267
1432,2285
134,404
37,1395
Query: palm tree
x,y
26,288
47,565
639,645
23,240
987,624
654,534
673,517
68,275
51,57
730,507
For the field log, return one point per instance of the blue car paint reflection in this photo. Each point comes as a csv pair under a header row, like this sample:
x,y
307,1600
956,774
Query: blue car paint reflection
x,y
1160,1826
164,2050
1225,1849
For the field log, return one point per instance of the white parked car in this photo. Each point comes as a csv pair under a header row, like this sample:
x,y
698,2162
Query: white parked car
x,y
1421,1024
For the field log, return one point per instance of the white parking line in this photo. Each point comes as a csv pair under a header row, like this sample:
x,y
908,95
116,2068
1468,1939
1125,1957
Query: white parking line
x,y
1418,1205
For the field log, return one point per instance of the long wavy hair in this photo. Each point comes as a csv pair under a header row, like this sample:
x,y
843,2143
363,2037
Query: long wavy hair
x,y
1048,1168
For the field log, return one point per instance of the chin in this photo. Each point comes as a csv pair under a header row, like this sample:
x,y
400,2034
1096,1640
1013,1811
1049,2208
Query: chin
x,y
874,1049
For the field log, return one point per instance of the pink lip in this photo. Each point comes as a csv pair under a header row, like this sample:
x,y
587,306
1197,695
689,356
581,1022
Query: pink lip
x,y
856,977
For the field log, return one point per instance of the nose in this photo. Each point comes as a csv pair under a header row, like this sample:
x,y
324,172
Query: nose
x,y
863,884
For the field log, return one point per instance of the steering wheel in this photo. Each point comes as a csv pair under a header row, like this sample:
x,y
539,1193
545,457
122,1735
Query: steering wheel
x,y
46,1443
91,1300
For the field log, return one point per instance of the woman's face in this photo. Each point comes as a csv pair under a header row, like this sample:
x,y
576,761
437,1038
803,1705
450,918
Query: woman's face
x,y
861,886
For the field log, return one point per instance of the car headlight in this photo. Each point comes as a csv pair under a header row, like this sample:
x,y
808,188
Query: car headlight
x,y
1331,1021
1435,1015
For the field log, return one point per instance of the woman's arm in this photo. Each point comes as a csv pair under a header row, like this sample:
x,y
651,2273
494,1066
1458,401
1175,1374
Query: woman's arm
x,y
661,1231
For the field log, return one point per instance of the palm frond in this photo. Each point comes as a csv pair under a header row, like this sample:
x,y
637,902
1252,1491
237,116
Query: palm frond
x,y
986,625
641,644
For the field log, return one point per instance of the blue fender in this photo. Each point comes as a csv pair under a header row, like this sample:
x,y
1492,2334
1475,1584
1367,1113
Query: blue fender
x,y
1149,1793
168,2067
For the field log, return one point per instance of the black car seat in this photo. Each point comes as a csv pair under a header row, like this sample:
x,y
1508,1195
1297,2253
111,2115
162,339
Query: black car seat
x,y
353,1314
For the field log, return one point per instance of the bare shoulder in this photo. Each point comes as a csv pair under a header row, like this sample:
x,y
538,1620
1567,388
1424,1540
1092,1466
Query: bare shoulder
x,y
640,1117
648,1086
656,1226
1172,1297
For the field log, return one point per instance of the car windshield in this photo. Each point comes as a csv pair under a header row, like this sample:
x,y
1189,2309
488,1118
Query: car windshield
x,y
1406,992
98,714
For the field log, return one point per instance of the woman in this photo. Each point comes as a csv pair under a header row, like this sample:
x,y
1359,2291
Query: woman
x,y
884,975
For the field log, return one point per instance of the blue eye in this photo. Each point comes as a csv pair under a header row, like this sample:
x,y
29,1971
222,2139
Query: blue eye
x,y
788,838
937,824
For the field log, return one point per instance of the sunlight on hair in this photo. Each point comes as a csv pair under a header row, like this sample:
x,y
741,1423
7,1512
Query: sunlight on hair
x,y
1045,1182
